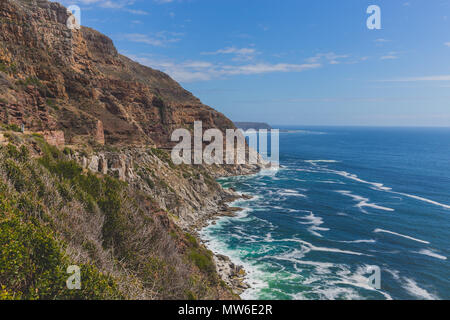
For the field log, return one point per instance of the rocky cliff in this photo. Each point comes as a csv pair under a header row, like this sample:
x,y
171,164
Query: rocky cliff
x,y
108,196
54,78
74,88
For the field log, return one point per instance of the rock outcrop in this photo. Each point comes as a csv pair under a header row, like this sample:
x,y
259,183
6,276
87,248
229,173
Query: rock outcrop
x,y
190,193
53,78
111,115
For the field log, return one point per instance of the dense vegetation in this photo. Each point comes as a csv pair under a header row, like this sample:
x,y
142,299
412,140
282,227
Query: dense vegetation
x,y
54,214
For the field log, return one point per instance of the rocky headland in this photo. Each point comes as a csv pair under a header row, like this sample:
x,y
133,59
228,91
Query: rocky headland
x,y
89,119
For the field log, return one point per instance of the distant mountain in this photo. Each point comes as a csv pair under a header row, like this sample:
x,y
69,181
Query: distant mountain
x,y
252,125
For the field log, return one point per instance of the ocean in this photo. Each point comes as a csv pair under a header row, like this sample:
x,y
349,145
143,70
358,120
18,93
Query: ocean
x,y
343,200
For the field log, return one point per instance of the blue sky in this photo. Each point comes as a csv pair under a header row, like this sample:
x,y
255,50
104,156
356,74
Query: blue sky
x,y
293,62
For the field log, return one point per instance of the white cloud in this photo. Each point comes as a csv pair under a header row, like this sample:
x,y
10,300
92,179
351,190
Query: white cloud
x,y
381,40
330,57
447,44
138,12
159,39
190,71
240,54
109,4
416,79
116,4
232,50
390,56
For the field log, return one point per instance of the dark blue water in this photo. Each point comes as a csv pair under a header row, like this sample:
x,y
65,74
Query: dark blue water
x,y
345,199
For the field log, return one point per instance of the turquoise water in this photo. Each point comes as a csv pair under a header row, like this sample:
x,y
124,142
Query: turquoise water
x,y
345,199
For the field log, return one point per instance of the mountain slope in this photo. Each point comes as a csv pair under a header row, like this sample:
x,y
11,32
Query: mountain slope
x,y
54,214
107,197
75,81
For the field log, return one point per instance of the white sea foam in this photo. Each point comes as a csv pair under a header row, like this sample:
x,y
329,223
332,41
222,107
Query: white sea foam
x,y
307,170
400,235
382,187
359,241
314,248
335,293
307,247
413,289
359,279
272,171
315,223
324,249
327,279
363,202
446,206
431,253
395,274
411,286
378,186
316,162
329,182
255,277
291,193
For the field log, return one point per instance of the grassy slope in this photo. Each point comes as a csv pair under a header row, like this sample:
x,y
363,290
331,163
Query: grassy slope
x,y
54,214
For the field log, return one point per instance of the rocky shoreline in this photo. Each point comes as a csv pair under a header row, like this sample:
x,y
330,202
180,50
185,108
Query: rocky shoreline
x,y
233,275
209,204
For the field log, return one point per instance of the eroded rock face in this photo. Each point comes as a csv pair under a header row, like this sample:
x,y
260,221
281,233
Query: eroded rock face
x,y
74,86
55,138
188,192
53,78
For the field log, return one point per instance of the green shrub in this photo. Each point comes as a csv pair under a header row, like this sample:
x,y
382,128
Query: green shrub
x,y
115,225
192,240
186,175
14,174
21,155
35,232
3,67
52,104
64,169
11,68
30,81
202,259
163,156
67,151
190,295
32,265
13,127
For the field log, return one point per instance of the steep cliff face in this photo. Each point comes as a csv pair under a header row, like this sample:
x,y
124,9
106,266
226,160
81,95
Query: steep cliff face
x,y
73,87
54,78
109,197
